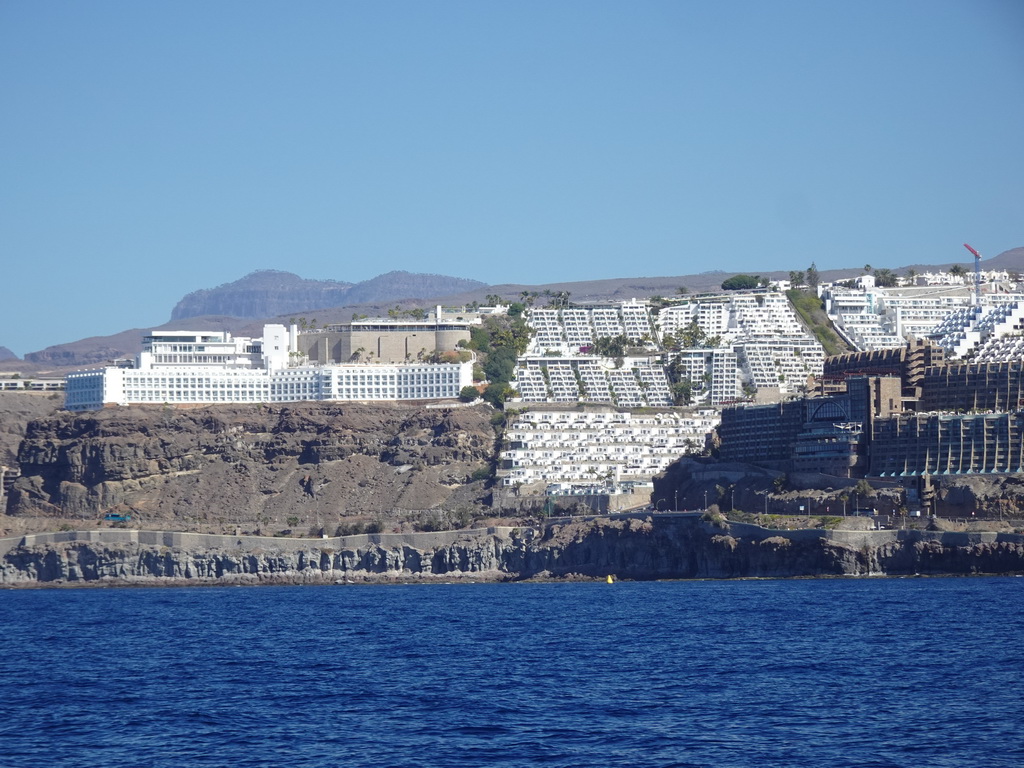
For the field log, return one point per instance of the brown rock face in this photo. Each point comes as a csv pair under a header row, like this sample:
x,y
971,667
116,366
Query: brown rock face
x,y
251,465
17,409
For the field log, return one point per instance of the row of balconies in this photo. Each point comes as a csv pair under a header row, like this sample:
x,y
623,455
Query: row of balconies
x,y
668,426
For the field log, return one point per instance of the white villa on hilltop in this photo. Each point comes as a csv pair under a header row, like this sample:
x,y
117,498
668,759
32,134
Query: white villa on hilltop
x,y
194,367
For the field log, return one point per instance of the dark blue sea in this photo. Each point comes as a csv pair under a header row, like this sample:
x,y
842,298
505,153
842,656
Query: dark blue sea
x,y
879,672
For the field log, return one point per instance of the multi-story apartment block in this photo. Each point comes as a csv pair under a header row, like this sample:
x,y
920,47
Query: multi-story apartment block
x,y
909,445
908,363
726,385
761,434
973,387
903,413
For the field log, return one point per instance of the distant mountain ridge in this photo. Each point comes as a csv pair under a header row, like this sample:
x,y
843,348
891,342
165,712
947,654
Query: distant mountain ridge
x,y
271,293
417,290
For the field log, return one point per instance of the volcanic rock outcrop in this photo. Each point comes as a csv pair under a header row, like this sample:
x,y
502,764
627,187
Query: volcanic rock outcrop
x,y
313,463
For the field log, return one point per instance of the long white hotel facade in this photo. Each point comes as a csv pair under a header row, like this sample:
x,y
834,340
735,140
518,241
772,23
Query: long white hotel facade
x,y
189,367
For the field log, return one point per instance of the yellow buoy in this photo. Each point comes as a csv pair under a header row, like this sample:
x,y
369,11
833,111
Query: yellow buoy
x,y
609,579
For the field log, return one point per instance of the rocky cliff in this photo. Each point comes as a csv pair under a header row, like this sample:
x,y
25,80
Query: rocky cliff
x,y
261,467
664,548
691,483
17,410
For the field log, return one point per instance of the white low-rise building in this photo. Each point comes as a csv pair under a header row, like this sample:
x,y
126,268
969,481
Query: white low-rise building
x,y
186,367
35,384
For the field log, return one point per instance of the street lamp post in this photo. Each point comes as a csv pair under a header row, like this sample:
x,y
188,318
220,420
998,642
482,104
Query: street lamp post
x,y
676,508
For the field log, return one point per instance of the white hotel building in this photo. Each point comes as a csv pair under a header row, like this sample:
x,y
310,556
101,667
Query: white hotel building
x,y
189,367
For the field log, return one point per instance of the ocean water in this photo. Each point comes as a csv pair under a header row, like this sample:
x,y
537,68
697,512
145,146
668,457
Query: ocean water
x,y
875,672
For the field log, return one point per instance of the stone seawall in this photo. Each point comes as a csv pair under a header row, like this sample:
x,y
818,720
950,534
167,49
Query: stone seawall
x,y
634,548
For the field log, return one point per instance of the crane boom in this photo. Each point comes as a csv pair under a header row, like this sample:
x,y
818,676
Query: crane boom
x,y
977,275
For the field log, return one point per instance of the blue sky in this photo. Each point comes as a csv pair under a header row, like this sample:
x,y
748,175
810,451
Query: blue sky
x,y
151,149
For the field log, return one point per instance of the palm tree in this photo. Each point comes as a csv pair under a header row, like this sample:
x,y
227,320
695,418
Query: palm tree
x,y
884,278
812,277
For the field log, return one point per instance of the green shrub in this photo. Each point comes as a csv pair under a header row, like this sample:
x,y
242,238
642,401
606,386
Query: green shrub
x,y
350,529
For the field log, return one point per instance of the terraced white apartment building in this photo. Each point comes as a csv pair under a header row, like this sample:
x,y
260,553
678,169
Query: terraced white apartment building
x,y
756,342
598,449
573,330
636,383
871,318
988,333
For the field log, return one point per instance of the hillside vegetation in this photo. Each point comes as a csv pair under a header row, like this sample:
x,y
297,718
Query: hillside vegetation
x,y
811,311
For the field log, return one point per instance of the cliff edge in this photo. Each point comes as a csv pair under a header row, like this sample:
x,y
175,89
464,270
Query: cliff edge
x,y
670,547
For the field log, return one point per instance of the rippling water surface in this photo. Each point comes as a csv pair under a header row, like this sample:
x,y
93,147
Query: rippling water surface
x,y
912,672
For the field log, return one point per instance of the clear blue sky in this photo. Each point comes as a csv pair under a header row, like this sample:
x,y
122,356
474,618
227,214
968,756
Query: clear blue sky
x,y
148,149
